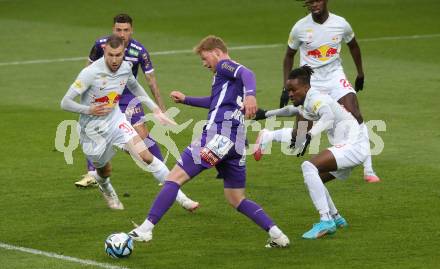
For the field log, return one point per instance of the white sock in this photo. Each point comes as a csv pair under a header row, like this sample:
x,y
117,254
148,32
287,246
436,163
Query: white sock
x,y
181,197
275,232
368,164
326,217
104,184
92,173
316,187
158,169
160,172
331,205
282,135
146,226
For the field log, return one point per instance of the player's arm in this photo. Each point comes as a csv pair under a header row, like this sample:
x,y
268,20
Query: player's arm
x,y
147,67
293,44
249,88
152,84
179,97
81,84
138,91
326,119
233,70
355,52
286,111
289,57
301,127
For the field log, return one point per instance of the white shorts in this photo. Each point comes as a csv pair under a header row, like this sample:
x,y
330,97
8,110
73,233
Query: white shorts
x,y
348,156
98,146
333,83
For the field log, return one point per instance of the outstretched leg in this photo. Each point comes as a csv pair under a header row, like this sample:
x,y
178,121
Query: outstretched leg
x,y
164,200
253,211
351,103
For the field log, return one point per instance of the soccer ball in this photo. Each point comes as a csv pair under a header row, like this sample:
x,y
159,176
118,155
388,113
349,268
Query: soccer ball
x,y
118,245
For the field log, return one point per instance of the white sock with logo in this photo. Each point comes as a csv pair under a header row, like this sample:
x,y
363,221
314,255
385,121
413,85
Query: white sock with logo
x,y
316,189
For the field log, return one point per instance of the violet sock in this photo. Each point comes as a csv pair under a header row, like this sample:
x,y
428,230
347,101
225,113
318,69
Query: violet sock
x,y
164,200
255,213
153,147
90,166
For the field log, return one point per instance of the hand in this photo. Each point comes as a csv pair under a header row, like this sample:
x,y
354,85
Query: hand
x,y
359,83
162,118
100,109
250,106
178,97
284,98
260,115
304,145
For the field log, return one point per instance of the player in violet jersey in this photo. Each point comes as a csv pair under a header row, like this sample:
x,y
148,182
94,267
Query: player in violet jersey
x,y
135,53
221,144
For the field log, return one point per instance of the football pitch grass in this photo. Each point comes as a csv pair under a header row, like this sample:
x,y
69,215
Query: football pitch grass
x,y
393,224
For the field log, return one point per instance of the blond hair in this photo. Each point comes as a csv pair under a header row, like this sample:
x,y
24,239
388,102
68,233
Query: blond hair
x,y
209,43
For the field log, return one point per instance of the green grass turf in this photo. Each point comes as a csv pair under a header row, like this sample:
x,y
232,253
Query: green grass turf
x,y
394,224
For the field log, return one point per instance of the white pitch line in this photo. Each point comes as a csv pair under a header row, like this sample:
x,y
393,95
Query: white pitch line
x,y
173,52
399,37
60,257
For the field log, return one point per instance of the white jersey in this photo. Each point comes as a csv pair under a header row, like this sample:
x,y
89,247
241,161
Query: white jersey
x,y
320,44
343,128
97,84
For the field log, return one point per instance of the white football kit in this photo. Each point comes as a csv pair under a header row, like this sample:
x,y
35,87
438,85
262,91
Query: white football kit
x,y
319,46
97,84
350,144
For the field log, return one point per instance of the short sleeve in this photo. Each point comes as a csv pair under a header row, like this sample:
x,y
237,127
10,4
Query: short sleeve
x,y
348,32
294,42
145,61
83,81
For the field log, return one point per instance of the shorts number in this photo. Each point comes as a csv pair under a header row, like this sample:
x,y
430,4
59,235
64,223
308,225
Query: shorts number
x,y
345,83
126,128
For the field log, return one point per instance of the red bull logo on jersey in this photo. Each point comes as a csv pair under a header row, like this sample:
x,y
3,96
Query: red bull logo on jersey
x,y
323,53
110,99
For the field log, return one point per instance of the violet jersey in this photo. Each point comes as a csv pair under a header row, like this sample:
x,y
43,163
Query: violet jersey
x,y
135,53
227,95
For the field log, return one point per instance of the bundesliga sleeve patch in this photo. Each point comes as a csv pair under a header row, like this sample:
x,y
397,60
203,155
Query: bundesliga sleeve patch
x,y
316,106
78,85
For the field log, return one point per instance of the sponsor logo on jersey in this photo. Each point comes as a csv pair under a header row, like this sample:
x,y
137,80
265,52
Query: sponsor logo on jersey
x,y
323,53
111,99
135,46
133,52
131,59
228,67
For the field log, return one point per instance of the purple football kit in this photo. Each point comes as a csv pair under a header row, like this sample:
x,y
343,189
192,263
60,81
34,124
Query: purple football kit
x,y
135,53
222,142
